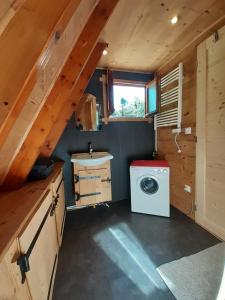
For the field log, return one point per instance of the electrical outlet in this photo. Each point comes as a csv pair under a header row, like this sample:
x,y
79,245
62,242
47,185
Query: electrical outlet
x,y
176,130
187,130
187,188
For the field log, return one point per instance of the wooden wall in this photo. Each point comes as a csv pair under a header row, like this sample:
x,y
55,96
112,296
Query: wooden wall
x,y
210,128
182,164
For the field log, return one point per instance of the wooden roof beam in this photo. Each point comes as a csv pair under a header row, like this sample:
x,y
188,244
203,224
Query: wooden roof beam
x,y
58,97
38,23
74,101
8,11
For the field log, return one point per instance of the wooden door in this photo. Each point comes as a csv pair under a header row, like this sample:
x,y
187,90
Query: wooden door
x,y
38,242
11,287
210,164
60,209
94,186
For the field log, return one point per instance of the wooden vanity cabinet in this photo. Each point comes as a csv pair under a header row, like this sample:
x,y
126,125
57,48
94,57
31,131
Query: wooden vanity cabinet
x,y
11,287
39,248
28,268
92,184
60,208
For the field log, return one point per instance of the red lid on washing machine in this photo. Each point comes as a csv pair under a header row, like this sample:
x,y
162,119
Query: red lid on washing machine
x,y
150,163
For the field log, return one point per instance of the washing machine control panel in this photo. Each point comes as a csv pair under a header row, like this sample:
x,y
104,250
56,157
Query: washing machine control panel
x,y
160,170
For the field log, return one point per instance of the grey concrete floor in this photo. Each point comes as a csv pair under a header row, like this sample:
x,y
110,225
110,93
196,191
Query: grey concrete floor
x,y
112,254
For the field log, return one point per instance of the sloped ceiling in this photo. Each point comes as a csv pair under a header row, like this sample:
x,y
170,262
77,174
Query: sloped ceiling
x,y
140,34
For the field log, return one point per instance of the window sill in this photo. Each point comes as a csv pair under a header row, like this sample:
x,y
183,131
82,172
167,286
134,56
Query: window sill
x,y
107,120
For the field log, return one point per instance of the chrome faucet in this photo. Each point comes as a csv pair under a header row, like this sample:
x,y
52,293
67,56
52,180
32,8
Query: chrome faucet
x,y
90,149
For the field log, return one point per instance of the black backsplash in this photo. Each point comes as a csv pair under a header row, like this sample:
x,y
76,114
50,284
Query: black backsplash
x,y
126,141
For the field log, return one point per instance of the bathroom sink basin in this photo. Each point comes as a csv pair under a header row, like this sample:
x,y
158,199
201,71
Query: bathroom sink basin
x,y
91,160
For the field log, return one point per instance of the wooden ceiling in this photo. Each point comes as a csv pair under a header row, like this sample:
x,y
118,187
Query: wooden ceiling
x,y
140,34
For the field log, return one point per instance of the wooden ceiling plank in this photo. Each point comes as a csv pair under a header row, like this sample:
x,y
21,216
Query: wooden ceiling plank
x,y
58,97
25,29
148,39
74,101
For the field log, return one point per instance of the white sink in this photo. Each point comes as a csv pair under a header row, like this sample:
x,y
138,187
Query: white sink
x,y
91,160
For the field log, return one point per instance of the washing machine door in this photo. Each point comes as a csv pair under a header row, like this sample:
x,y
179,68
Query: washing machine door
x,y
148,185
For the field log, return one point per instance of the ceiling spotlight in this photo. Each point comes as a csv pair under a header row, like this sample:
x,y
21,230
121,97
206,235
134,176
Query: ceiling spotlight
x,y
174,20
105,52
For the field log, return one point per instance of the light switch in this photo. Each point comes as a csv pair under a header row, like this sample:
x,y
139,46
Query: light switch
x,y
187,188
187,130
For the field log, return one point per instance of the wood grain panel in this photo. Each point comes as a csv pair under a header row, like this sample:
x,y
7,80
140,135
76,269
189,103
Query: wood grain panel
x,y
17,207
73,103
58,96
45,80
42,257
43,19
98,184
10,276
182,165
211,131
148,40
8,9
186,172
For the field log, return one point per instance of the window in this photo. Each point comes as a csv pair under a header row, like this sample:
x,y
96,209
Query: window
x,y
152,95
129,101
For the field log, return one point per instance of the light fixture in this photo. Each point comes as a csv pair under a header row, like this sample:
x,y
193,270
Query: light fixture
x,y
105,52
174,20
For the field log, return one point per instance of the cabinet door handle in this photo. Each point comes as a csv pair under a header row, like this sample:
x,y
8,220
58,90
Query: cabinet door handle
x,y
23,260
76,178
78,196
107,180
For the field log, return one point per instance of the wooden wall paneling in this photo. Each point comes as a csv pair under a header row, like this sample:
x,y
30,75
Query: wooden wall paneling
x,y
210,167
58,96
182,165
45,80
166,149
25,29
73,103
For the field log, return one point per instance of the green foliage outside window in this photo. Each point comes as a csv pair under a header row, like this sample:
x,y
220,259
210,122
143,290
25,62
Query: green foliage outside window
x,y
133,108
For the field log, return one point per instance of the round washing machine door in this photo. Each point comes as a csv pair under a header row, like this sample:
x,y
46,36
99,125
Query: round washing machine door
x,y
149,185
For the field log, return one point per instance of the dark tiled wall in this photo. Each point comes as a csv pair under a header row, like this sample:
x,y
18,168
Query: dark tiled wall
x,y
124,140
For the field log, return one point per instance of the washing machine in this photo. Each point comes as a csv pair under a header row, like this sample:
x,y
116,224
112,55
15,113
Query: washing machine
x,y
149,180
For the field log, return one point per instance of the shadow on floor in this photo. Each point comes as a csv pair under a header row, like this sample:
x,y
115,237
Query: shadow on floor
x,y
111,253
